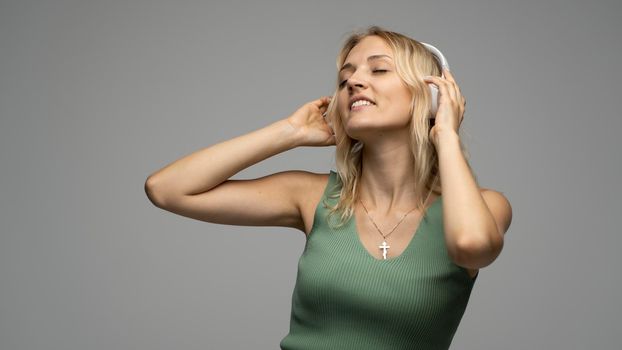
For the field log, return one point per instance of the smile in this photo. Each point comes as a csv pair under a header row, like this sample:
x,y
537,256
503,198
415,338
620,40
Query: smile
x,y
360,105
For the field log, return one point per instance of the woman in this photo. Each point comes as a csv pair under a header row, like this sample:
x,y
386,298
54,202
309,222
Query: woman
x,y
395,238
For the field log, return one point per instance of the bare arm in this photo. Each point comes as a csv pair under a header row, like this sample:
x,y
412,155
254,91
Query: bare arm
x,y
209,167
197,185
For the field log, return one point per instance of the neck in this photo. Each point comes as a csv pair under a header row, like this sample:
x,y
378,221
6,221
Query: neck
x,y
387,180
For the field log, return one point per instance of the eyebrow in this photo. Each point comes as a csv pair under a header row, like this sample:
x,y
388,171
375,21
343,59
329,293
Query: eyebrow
x,y
370,58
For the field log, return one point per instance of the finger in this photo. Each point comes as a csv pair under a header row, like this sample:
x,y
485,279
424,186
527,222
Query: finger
x,y
454,88
321,101
450,77
458,90
444,87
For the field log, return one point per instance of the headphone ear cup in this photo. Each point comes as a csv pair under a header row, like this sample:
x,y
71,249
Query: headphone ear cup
x,y
433,88
434,104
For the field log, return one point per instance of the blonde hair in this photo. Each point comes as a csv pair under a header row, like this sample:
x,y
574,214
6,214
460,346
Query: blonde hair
x,y
413,61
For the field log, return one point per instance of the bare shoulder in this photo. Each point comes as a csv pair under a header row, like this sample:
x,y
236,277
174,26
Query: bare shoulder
x,y
279,199
499,206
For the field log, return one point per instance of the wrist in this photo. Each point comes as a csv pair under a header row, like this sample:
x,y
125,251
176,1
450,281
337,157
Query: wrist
x,y
446,136
287,134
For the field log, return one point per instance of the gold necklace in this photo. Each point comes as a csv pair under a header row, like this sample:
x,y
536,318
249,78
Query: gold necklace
x,y
384,245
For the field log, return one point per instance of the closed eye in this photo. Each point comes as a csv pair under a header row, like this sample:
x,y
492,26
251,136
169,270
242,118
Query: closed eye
x,y
341,84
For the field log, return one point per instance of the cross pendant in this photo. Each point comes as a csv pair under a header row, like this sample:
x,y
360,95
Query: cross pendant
x,y
384,248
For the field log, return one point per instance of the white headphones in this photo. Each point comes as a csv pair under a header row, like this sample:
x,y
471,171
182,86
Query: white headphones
x,y
433,88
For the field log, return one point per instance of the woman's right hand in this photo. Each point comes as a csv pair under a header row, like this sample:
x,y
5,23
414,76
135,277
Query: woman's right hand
x,y
310,124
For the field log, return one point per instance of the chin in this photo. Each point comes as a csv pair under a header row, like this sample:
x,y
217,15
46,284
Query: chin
x,y
361,130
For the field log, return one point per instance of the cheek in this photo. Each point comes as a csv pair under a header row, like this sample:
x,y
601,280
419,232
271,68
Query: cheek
x,y
343,108
343,104
398,104
403,99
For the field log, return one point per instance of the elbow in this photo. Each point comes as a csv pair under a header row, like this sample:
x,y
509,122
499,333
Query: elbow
x,y
477,254
155,196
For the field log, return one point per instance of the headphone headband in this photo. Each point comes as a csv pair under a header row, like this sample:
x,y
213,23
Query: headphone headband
x,y
438,54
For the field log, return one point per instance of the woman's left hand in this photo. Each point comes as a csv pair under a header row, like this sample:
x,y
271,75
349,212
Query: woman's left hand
x,y
451,105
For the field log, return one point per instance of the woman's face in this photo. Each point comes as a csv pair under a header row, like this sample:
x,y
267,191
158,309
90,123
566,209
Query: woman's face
x,y
377,80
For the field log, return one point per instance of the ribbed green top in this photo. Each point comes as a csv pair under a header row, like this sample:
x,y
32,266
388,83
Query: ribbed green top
x,y
345,298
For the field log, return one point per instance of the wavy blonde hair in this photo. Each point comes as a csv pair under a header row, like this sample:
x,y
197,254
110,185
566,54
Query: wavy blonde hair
x,y
412,61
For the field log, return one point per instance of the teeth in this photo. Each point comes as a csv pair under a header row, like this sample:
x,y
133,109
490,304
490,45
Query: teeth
x,y
361,103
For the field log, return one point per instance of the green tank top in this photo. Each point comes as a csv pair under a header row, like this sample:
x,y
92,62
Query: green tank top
x,y
345,298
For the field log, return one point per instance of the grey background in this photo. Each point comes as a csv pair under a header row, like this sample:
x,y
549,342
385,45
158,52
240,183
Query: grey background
x,y
96,95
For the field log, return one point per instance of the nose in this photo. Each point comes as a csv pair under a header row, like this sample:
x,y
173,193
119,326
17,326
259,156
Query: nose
x,y
354,81
355,84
